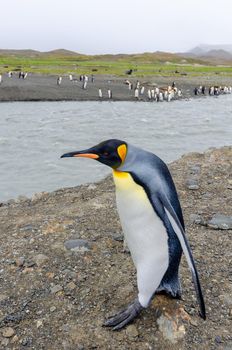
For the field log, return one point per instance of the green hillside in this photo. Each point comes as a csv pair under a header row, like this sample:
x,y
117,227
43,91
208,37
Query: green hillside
x,y
68,62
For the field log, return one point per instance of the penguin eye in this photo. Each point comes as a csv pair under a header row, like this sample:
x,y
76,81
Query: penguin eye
x,y
105,153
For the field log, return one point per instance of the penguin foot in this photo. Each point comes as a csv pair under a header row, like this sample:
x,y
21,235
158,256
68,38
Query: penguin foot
x,y
125,316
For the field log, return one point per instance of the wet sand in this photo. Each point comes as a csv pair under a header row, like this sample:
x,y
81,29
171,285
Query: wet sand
x,y
44,87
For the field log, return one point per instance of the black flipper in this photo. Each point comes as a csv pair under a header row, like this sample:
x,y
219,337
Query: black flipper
x,y
173,218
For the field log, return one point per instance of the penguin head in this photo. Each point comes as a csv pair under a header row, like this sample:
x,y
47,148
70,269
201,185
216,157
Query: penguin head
x,y
111,152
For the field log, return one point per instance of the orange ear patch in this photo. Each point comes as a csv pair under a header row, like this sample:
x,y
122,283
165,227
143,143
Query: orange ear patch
x,y
122,150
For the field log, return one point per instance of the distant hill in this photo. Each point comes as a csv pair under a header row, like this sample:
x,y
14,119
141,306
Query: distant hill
x,y
61,52
35,53
219,54
214,54
146,57
204,48
25,52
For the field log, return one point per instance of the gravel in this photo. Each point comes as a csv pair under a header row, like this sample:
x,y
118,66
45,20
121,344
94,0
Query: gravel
x,y
54,298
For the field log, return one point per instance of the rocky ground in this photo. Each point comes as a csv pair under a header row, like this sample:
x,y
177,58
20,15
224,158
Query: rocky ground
x,y
63,268
38,87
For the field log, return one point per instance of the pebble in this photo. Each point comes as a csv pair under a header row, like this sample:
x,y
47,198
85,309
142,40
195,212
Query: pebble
x,y
41,259
39,323
218,339
220,222
52,308
69,273
21,199
132,332
71,286
20,261
193,322
91,187
227,298
195,169
30,263
28,227
118,237
196,219
37,196
192,184
26,341
77,245
170,329
55,289
8,332
15,339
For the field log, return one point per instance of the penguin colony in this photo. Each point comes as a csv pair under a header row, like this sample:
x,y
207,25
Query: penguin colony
x,y
152,222
213,90
139,91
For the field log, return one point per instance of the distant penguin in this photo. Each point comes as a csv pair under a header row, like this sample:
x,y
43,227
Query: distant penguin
x,y
161,97
110,94
100,93
152,222
211,90
149,94
157,90
137,84
142,90
59,80
0,78
137,93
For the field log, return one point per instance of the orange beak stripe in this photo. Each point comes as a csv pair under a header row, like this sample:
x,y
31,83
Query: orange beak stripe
x,y
87,155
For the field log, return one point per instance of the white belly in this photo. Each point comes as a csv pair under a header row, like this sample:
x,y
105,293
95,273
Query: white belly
x,y
145,235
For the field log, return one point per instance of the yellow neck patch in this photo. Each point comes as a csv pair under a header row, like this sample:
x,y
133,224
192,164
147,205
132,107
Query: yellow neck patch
x,y
120,174
122,150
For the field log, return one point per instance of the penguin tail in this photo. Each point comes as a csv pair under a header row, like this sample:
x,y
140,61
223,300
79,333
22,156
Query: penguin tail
x,y
170,287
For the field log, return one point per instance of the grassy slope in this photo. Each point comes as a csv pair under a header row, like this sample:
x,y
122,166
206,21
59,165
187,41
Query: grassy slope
x,y
159,63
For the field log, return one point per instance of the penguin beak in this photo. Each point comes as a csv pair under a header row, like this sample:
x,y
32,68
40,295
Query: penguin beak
x,y
85,154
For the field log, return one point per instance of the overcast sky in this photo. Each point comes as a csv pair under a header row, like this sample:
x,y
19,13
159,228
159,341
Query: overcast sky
x,y
114,26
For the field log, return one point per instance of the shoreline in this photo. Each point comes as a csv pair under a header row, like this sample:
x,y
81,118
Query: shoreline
x,y
37,87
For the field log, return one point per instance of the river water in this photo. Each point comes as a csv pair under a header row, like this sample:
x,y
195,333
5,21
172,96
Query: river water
x,y
33,135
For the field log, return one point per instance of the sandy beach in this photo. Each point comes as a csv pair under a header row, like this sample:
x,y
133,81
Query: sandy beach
x,y
44,87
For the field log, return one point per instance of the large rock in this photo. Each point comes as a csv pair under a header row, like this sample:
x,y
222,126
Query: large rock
x,y
220,222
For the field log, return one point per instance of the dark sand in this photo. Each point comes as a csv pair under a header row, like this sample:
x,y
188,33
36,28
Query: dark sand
x,y
44,87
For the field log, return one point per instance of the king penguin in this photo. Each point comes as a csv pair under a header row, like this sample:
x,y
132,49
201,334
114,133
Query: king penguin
x,y
152,222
